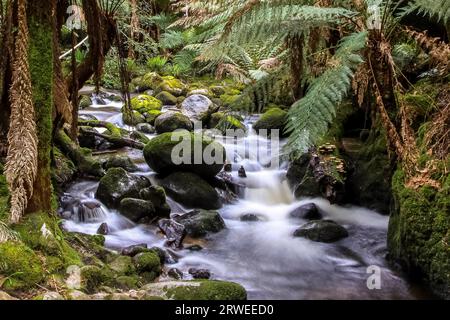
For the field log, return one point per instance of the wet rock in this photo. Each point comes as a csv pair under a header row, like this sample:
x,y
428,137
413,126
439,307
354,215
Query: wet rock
x,y
191,190
159,154
134,250
175,232
250,217
307,212
200,273
199,223
103,229
224,122
123,162
198,107
145,128
136,209
145,103
157,196
301,179
175,274
84,102
322,231
167,98
117,185
171,121
195,247
228,167
87,117
242,173
273,119
166,256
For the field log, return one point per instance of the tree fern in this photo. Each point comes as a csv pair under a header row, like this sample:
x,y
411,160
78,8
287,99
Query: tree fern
x,y
310,117
439,9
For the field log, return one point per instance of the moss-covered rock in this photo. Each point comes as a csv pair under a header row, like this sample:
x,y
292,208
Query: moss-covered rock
x,y
150,80
92,277
199,223
123,265
167,98
191,190
171,121
21,267
133,119
274,119
118,184
172,85
150,117
223,122
145,103
64,169
157,196
419,231
127,282
227,99
84,102
137,209
148,265
198,290
123,162
41,232
217,91
159,154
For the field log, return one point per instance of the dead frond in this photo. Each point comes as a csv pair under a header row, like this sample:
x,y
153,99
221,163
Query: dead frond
x,y
21,161
438,50
360,83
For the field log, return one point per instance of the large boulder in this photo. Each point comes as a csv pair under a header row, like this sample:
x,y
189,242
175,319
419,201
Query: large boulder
x,y
150,80
159,154
171,121
118,184
273,119
137,209
148,265
167,98
198,107
191,190
123,162
322,231
145,103
199,223
171,85
224,122
307,212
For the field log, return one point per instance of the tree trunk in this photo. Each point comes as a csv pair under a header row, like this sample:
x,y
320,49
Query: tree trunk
x,y
134,26
41,28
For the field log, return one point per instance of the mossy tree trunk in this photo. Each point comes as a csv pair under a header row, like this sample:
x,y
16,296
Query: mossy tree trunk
x,y
40,23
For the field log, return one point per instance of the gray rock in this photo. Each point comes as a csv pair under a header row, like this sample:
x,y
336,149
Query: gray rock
x,y
191,190
199,223
117,185
197,107
171,121
103,229
136,209
201,274
307,212
145,128
134,250
322,231
175,232
123,162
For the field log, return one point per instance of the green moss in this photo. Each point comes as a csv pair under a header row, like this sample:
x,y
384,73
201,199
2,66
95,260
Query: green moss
x,y
172,85
41,70
41,232
419,231
151,116
274,119
4,196
227,99
148,265
122,265
208,290
167,98
20,265
145,103
133,119
93,277
227,122
127,282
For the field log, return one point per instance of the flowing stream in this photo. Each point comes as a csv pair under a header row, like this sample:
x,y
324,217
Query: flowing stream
x,y
263,256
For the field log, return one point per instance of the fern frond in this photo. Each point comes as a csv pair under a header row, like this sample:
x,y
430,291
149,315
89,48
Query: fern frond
x,y
310,117
439,9
6,234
